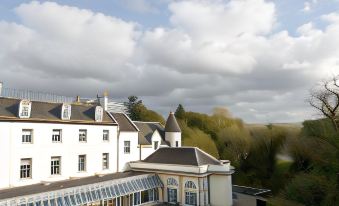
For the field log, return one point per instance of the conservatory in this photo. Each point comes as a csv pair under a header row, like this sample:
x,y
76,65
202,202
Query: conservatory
x,y
132,189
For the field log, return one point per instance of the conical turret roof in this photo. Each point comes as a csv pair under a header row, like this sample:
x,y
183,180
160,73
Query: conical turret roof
x,y
172,124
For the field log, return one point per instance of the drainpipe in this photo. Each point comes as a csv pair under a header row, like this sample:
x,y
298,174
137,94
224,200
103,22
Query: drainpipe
x,y
139,151
1,88
118,142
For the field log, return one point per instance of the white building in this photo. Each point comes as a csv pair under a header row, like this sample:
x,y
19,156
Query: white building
x,y
77,154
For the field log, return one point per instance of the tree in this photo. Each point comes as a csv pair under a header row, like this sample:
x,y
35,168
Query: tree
x,y
139,112
132,106
325,98
180,112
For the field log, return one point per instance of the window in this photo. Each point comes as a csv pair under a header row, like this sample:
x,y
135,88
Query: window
x,y
190,198
27,135
127,147
25,111
172,182
172,195
190,185
66,111
82,163
24,108
105,135
82,135
156,145
56,136
26,168
98,113
190,193
172,185
105,161
176,143
55,165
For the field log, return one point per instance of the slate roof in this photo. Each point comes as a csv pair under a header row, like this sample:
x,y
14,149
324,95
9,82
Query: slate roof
x,y
250,190
172,124
41,188
146,130
125,124
182,156
50,112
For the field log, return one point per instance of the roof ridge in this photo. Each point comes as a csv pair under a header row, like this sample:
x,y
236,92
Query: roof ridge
x,y
146,122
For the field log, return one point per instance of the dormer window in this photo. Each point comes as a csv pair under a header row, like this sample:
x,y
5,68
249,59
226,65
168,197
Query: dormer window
x,y
99,112
25,109
66,112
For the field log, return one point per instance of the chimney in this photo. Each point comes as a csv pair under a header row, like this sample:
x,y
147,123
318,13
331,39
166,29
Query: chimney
x,y
77,99
1,88
104,101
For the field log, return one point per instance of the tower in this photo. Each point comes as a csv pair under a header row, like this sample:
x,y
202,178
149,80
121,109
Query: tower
x,y
172,131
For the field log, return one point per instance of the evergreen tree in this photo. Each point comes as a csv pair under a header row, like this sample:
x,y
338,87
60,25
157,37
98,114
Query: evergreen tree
x,y
132,105
180,112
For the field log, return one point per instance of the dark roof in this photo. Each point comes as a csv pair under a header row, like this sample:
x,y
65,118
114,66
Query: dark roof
x,y
50,112
40,188
172,124
250,190
146,130
182,156
125,124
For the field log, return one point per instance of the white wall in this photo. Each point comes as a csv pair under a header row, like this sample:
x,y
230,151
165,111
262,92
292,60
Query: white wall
x,y
220,184
42,149
172,137
134,154
147,150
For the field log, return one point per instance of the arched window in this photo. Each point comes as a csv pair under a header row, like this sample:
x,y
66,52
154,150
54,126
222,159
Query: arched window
x,y
172,192
190,193
172,182
190,185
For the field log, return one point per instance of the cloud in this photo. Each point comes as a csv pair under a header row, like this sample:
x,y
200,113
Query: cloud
x,y
309,5
213,53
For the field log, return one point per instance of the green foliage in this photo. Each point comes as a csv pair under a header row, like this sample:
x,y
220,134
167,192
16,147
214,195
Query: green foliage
x,y
180,112
139,112
260,167
311,190
194,137
235,143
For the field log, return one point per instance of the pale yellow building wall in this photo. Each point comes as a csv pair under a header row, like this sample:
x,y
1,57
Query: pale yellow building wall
x,y
220,190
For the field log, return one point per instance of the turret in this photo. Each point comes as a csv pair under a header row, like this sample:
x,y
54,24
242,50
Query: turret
x,y
172,131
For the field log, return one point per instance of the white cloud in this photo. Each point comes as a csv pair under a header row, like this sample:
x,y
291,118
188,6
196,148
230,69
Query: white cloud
x,y
216,52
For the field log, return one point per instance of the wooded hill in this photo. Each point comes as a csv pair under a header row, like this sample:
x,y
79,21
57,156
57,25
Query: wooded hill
x,y
298,162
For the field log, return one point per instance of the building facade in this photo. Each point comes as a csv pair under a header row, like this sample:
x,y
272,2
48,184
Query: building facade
x,y
55,154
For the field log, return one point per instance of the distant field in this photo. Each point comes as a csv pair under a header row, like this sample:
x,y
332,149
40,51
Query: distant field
x,y
291,125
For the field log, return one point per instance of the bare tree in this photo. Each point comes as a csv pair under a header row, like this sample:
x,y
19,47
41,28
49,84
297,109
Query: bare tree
x,y
325,98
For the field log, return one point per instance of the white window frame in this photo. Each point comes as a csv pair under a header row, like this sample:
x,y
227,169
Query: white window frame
x,y
57,136
82,163
26,168
25,111
105,161
191,194
127,147
27,136
55,165
105,135
82,135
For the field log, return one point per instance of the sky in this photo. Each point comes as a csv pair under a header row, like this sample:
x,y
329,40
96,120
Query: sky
x,y
257,58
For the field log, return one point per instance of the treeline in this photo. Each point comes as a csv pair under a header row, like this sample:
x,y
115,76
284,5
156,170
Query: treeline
x,y
299,164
